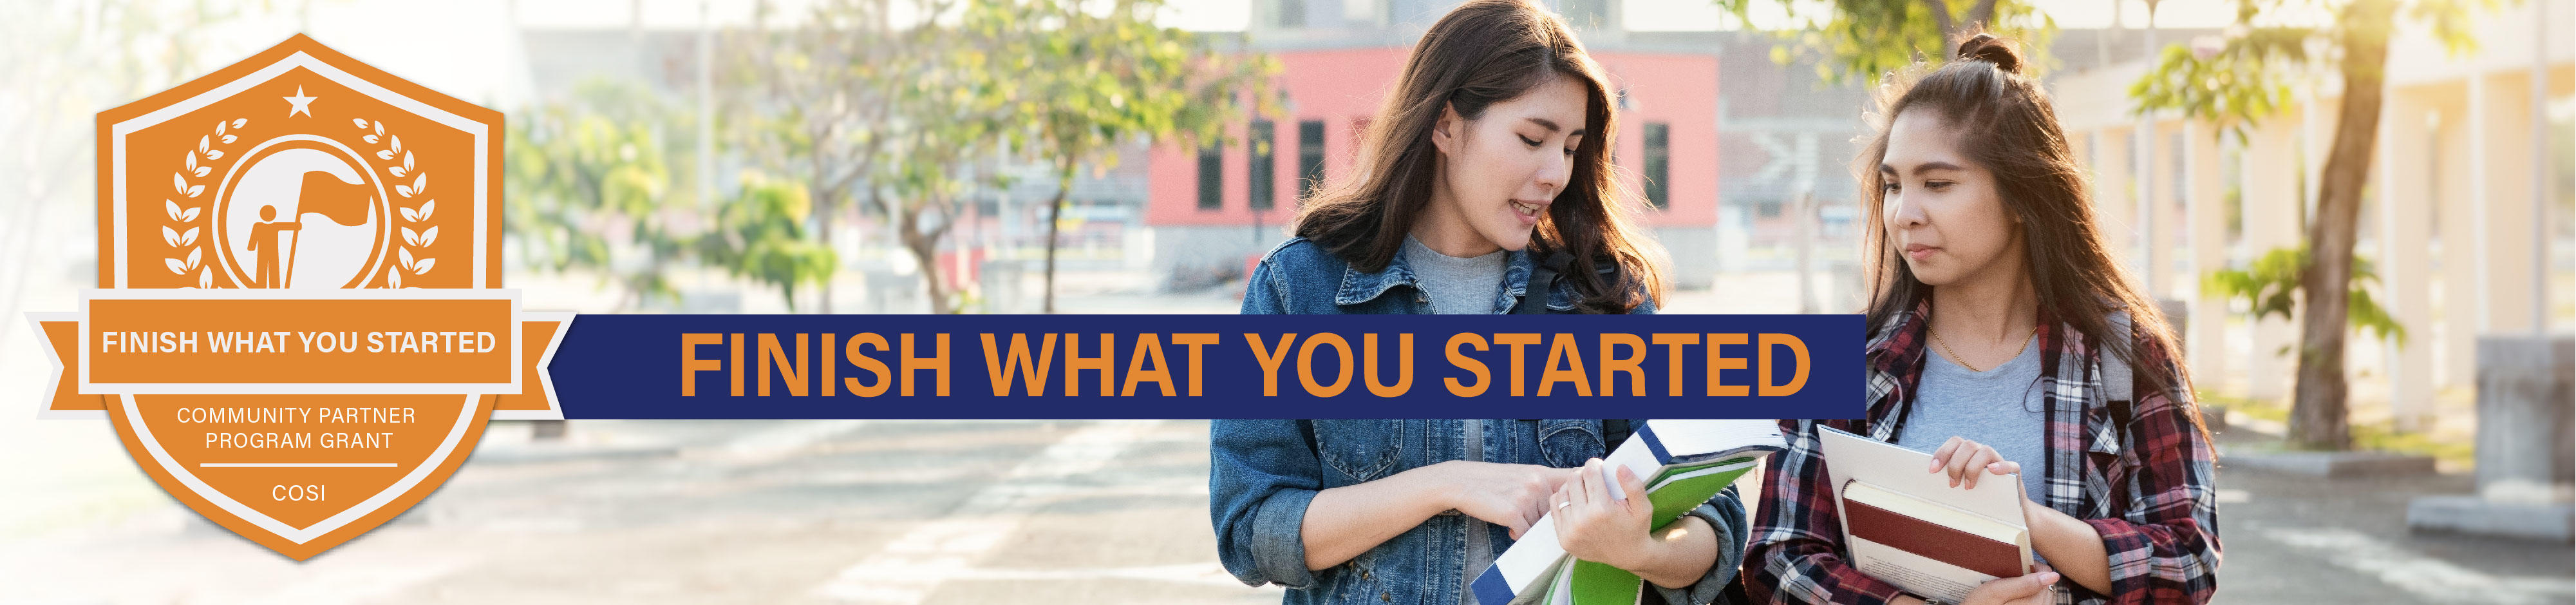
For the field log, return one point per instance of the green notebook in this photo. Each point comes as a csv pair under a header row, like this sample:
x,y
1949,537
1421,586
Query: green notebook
x,y
1686,463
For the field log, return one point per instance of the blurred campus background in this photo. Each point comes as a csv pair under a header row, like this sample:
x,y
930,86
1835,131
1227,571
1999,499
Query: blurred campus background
x,y
867,156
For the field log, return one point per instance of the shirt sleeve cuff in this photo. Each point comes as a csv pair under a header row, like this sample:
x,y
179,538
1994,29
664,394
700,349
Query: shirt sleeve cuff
x,y
1279,541
1730,556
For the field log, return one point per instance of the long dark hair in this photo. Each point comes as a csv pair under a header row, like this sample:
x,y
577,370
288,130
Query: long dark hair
x,y
2008,126
1484,52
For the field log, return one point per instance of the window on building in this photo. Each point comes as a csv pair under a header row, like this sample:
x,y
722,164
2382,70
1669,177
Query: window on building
x,y
1265,167
1659,164
1310,157
1211,177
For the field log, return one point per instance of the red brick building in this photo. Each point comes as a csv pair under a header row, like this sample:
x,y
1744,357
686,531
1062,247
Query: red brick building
x,y
1209,209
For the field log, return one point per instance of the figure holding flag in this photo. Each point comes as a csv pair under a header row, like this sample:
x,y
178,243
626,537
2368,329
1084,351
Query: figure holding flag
x,y
265,237
289,187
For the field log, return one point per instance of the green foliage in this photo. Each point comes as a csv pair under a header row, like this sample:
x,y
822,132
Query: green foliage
x,y
2243,79
2244,75
1865,39
761,233
906,119
588,181
847,107
820,100
1083,80
2271,285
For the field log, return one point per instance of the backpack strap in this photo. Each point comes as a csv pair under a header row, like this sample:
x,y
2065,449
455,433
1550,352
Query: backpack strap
x,y
1614,431
2117,384
1542,283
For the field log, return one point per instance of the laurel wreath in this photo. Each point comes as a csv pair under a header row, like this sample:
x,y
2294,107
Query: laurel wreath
x,y
185,186
181,181
412,240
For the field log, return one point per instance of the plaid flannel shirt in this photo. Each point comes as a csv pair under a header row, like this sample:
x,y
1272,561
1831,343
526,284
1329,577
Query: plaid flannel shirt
x,y
2140,474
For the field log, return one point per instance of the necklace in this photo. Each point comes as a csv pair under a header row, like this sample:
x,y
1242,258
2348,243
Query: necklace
x,y
1963,361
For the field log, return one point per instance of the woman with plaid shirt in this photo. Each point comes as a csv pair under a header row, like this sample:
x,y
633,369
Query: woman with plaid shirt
x,y
2005,337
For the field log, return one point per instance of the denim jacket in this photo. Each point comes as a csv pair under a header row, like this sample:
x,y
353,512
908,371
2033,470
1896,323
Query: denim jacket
x,y
1263,473
1300,278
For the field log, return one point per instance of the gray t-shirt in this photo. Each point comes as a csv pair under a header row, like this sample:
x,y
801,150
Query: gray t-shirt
x,y
2000,408
1455,285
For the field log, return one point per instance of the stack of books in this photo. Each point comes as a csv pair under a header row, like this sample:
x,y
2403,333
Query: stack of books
x,y
1685,462
1909,527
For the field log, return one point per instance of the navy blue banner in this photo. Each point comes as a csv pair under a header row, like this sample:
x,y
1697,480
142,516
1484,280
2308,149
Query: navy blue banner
x,y
1210,366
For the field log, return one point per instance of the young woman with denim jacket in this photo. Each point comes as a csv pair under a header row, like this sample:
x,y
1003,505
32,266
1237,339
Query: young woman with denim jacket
x,y
1489,155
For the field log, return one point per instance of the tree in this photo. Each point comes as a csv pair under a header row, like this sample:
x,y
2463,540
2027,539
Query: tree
x,y
2272,285
761,233
863,107
906,118
813,99
1864,39
2239,80
595,166
948,128
1081,81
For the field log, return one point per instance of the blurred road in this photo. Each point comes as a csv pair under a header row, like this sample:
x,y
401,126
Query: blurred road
x,y
2297,539
992,511
721,512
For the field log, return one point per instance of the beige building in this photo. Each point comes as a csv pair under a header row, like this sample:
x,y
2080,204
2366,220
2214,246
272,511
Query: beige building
x,y
2466,215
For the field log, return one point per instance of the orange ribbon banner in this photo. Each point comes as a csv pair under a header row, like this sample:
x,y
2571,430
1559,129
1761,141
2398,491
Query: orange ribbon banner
x,y
363,341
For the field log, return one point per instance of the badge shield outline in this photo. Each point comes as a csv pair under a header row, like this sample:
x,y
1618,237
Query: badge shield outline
x,y
456,420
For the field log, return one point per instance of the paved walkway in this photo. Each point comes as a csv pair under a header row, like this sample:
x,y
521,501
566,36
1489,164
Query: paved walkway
x,y
904,512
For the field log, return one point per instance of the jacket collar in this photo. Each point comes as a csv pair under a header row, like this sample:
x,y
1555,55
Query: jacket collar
x,y
1360,287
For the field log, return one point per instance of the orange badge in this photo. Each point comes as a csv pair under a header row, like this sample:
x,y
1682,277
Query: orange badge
x,y
300,329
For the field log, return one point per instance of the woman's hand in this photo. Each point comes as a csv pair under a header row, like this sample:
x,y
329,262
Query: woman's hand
x,y
1593,526
1962,459
1509,495
2032,589
2054,535
1345,521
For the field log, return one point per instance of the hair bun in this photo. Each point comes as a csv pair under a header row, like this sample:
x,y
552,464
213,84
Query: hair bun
x,y
1988,48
